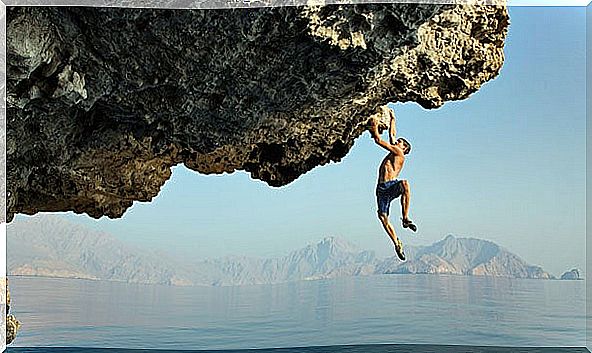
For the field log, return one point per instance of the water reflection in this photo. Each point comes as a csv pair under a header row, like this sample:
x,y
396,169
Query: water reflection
x,y
377,309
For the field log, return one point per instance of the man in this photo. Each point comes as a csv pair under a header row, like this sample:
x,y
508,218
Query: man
x,y
389,187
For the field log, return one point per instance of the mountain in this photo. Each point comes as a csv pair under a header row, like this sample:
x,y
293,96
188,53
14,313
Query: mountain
x,y
464,256
52,246
574,274
332,257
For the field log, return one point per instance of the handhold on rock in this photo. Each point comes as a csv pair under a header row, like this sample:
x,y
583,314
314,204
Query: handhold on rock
x,y
383,116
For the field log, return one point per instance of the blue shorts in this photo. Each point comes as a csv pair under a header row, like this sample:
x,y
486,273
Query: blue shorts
x,y
386,193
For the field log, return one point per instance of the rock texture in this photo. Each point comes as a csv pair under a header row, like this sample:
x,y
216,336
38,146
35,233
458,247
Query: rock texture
x,y
103,101
12,327
12,324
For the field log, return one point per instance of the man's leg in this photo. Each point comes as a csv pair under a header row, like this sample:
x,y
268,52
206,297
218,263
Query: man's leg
x,y
405,199
390,230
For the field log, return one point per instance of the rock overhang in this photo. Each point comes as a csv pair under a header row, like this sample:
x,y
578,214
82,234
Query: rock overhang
x,y
103,101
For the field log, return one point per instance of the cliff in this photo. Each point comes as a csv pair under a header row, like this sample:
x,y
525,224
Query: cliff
x,y
103,101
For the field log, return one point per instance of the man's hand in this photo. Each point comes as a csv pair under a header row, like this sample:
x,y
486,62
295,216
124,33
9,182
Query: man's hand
x,y
376,123
374,127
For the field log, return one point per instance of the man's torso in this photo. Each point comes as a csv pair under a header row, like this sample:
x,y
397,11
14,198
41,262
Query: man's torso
x,y
390,167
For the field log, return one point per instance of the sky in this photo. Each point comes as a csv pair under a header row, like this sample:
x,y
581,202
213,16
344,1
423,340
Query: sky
x,y
506,165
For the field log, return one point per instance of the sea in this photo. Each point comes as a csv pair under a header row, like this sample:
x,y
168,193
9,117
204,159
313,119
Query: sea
x,y
385,313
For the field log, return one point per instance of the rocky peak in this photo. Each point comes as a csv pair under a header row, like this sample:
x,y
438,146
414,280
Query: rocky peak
x,y
336,245
573,274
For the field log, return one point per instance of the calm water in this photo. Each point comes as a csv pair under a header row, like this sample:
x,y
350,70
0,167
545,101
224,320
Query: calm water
x,y
401,309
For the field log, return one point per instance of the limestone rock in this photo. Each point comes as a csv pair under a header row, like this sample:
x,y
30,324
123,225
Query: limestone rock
x,y
12,327
12,324
103,101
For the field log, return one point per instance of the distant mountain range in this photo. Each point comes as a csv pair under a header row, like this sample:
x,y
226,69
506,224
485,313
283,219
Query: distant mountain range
x,y
52,246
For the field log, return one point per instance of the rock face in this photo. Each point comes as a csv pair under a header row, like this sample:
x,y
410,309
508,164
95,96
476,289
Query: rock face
x,y
103,101
11,323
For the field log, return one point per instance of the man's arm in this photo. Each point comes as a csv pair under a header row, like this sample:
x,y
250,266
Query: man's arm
x,y
393,128
382,143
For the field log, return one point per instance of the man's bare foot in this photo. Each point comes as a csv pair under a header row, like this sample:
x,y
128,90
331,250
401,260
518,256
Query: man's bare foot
x,y
399,250
408,224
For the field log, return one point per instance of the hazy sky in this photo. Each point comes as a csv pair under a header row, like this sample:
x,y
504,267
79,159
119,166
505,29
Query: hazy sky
x,y
507,165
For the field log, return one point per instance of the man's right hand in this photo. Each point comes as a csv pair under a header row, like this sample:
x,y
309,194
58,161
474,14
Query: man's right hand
x,y
373,128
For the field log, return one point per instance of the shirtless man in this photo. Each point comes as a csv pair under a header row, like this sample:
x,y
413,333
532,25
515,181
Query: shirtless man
x,y
389,187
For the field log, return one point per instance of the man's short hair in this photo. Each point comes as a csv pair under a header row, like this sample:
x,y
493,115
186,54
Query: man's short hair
x,y
408,149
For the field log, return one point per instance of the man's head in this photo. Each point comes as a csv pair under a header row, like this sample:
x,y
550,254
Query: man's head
x,y
403,144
